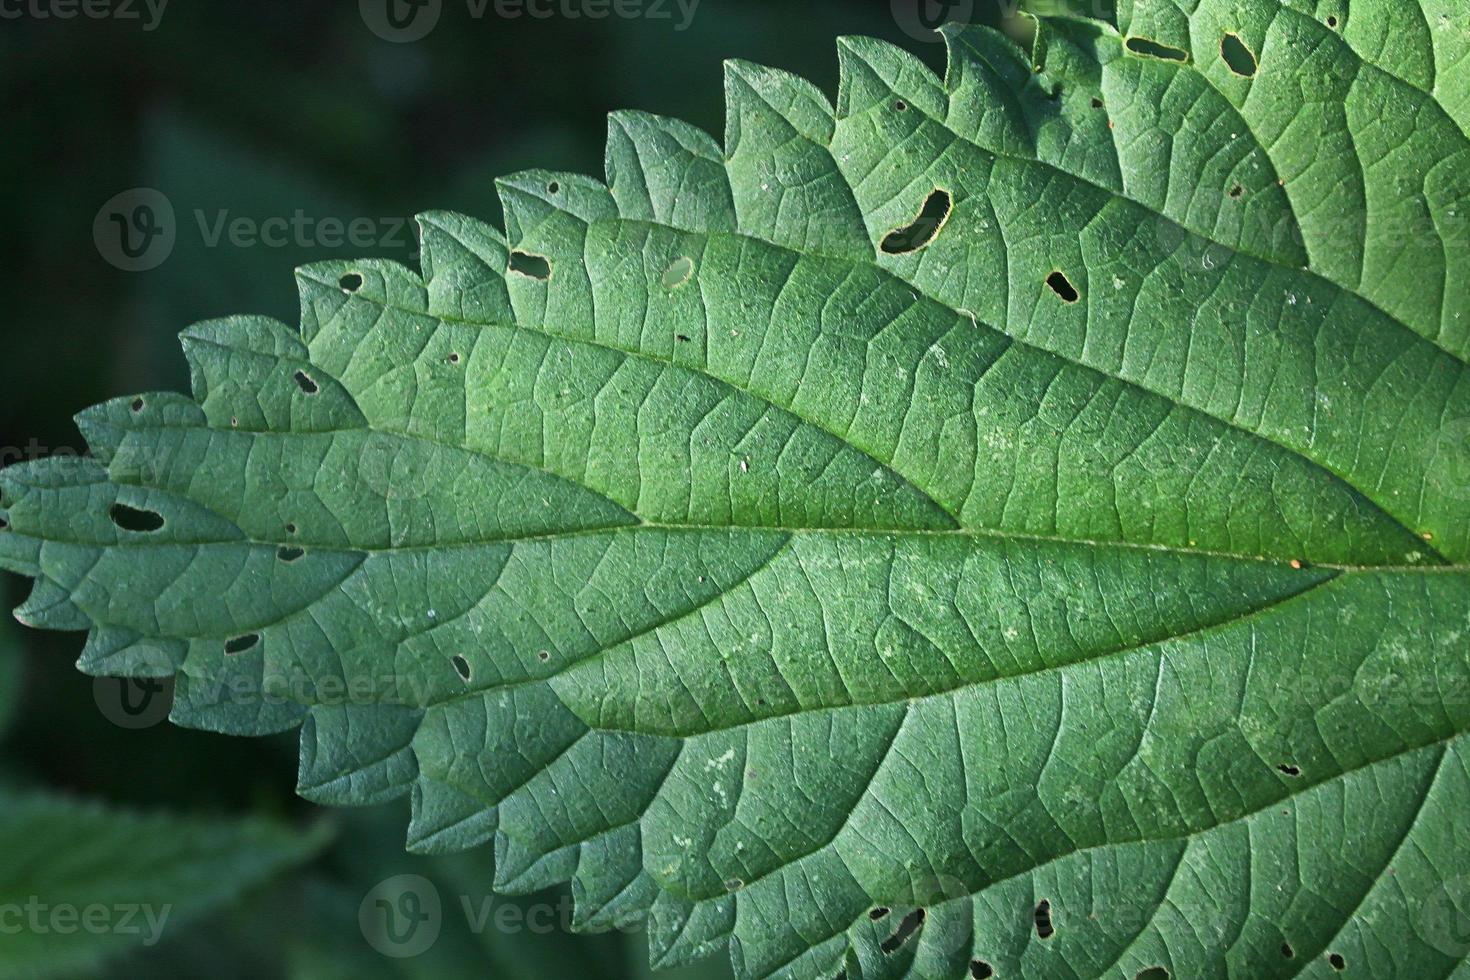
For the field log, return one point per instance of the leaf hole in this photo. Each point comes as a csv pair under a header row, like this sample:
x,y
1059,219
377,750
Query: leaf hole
x,y
1063,287
553,188
531,266
679,272
291,529
1332,22
544,656
1237,192
925,228
1289,769
910,927
879,913
901,106
306,384
1096,102
1044,927
242,644
1150,48
1287,952
1152,973
1336,961
290,555
350,283
4,524
138,405
981,970
135,520
1238,58
462,667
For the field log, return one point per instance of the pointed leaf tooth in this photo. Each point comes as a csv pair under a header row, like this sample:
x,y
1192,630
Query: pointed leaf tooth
x,y
117,652
874,71
667,171
447,821
49,607
464,263
357,754
534,199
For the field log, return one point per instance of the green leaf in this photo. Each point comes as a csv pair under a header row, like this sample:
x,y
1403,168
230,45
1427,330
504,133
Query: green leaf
x,y
1015,523
80,883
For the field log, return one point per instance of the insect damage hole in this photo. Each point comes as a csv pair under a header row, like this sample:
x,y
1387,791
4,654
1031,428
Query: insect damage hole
x,y
1287,952
679,272
135,520
1289,770
536,267
350,282
925,228
981,970
1044,927
1238,58
907,929
462,667
1063,287
1336,961
881,912
290,555
242,644
307,385
1152,973
138,405
1150,48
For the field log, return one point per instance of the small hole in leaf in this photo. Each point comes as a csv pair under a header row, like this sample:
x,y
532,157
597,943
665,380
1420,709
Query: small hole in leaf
x,y
453,358
350,283
306,384
682,338
1150,48
1332,23
881,912
1336,961
1290,770
531,266
901,106
1152,973
1287,952
1096,102
678,272
291,528
981,970
926,226
1063,287
139,405
907,929
1044,928
4,524
289,554
242,644
1237,192
553,187
1238,58
544,656
462,666
135,520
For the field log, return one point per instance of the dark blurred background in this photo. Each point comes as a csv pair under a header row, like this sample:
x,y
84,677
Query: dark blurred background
x,y
270,131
